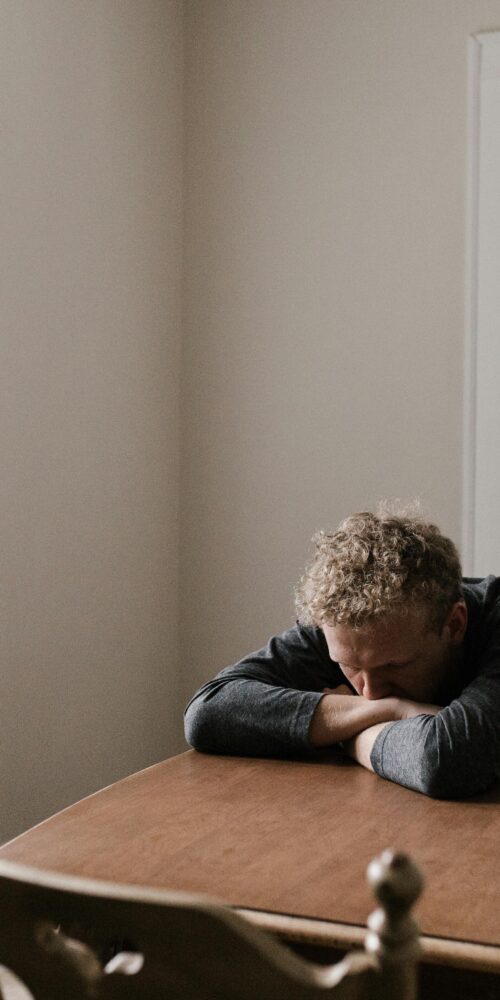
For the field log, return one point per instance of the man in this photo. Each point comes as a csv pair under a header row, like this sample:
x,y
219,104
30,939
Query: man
x,y
394,656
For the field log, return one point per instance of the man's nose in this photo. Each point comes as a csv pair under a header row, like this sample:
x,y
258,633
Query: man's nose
x,y
373,687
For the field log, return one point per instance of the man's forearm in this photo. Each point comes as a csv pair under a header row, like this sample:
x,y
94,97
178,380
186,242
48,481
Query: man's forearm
x,y
340,717
360,747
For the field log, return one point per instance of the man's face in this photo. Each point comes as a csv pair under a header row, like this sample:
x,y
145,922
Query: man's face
x,y
400,656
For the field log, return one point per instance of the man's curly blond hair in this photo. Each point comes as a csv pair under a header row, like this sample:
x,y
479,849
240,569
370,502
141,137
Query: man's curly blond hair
x,y
375,565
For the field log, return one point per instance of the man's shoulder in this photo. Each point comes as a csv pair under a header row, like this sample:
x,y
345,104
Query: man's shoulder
x,y
303,635
482,593
482,597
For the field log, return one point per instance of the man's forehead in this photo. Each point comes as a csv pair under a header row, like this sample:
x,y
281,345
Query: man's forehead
x,y
399,632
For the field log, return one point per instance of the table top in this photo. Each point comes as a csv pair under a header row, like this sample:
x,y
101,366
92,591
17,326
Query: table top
x,y
282,837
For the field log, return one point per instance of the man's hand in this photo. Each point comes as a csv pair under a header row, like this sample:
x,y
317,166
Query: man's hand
x,y
342,715
360,746
341,689
408,709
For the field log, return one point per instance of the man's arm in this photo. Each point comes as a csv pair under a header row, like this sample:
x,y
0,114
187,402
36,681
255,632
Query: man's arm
x,y
453,754
286,698
449,752
360,747
341,716
273,703
263,705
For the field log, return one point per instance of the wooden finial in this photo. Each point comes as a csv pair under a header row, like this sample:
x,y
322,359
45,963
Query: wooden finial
x,y
392,934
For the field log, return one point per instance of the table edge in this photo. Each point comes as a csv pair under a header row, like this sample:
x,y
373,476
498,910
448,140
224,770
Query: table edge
x,y
325,933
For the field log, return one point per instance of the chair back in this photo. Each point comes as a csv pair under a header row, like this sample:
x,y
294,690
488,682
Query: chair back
x,y
69,938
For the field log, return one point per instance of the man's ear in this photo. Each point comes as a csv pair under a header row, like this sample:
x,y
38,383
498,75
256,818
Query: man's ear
x,y
456,622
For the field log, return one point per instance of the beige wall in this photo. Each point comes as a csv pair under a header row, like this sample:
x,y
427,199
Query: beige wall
x,y
89,370
322,206
323,338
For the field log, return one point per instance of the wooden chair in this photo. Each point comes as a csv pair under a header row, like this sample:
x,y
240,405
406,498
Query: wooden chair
x,y
71,938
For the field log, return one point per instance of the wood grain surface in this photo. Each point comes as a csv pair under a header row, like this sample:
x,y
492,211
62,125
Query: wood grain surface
x,y
290,837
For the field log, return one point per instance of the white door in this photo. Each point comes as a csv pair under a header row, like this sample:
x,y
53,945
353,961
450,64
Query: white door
x,y
482,406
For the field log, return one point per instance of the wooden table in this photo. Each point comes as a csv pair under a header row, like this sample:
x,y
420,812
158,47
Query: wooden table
x,y
290,841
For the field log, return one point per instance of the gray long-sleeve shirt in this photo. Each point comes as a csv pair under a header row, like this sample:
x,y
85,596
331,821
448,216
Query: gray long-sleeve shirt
x,y
263,706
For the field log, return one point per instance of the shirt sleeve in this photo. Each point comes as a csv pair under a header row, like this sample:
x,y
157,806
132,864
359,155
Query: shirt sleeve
x,y
263,705
455,753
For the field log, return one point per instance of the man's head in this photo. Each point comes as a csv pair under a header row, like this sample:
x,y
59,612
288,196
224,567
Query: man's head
x,y
387,591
